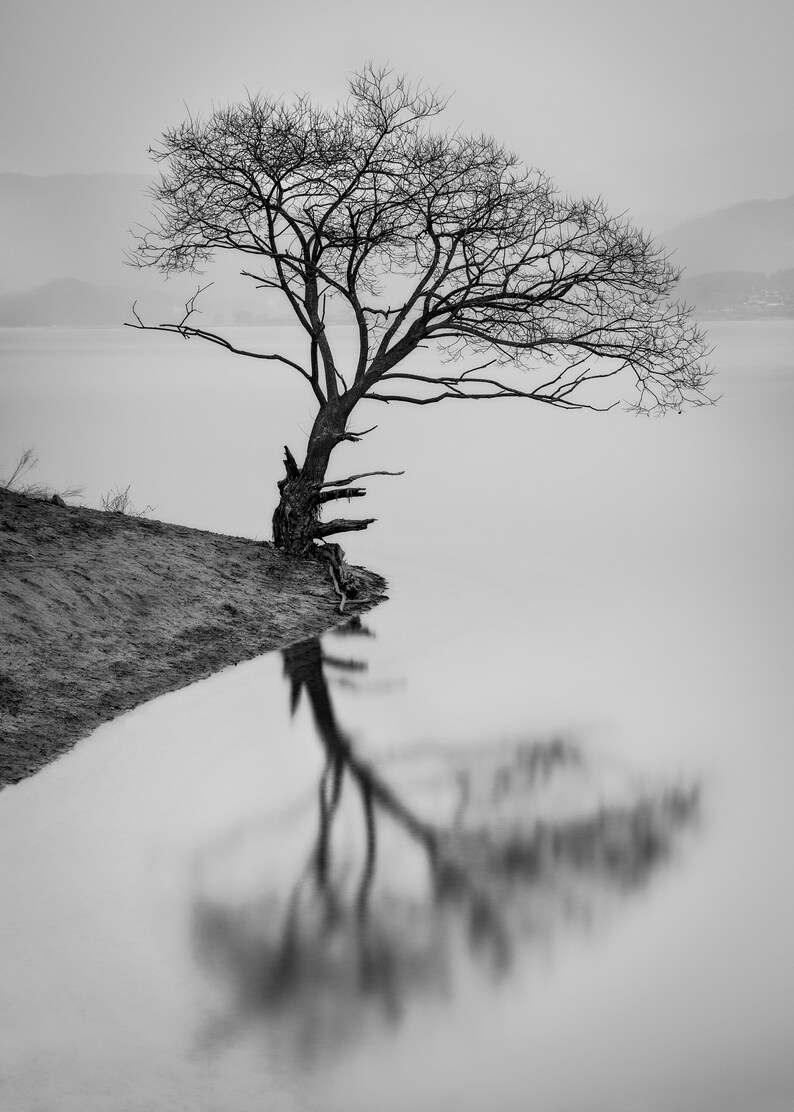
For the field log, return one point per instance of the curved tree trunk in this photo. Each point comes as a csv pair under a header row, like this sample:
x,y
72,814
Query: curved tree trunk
x,y
296,521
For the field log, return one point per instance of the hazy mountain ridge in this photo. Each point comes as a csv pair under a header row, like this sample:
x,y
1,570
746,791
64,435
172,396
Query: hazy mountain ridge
x,y
738,262
751,236
66,240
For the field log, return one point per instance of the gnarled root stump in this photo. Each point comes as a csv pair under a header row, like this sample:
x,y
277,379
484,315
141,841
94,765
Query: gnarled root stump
x,y
297,527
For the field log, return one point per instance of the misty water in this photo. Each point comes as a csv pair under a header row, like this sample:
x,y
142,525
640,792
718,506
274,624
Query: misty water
x,y
519,840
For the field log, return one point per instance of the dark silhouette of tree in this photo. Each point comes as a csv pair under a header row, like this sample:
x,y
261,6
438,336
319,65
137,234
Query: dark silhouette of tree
x,y
498,876
417,238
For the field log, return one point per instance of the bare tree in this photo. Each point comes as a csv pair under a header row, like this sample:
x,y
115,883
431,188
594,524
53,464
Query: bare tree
x,y
424,238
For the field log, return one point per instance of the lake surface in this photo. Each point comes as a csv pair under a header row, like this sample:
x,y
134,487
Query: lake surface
x,y
520,841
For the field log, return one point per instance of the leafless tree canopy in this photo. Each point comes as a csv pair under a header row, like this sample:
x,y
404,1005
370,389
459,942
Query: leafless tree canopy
x,y
427,237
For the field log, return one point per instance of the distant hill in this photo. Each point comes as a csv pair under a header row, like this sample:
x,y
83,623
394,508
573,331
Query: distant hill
x,y
74,225
64,242
740,294
752,236
738,262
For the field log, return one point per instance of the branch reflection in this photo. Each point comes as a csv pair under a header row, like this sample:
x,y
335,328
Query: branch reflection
x,y
476,855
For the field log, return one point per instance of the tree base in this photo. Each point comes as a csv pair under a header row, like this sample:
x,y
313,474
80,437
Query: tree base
x,y
298,531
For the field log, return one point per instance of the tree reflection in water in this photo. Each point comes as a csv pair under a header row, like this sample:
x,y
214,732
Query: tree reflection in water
x,y
500,869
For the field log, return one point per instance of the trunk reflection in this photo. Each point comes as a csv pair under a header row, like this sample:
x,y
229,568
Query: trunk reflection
x,y
492,870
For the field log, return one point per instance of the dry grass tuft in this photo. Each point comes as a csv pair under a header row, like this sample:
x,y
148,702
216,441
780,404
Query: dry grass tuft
x,y
26,463
118,501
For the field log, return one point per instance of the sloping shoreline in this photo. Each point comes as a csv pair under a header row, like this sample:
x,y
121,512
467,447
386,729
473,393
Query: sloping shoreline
x,y
100,612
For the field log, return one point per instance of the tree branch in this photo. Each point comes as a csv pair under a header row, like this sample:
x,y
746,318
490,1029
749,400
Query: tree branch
x,y
188,332
361,475
342,492
197,333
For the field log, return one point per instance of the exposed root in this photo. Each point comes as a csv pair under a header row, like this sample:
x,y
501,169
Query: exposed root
x,y
344,581
338,588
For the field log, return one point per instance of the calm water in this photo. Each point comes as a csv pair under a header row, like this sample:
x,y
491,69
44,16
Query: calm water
x,y
524,842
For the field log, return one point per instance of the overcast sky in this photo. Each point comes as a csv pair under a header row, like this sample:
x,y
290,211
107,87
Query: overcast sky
x,y
677,107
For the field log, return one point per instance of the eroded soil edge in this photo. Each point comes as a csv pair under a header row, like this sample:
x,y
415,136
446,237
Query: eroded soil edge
x,y
100,612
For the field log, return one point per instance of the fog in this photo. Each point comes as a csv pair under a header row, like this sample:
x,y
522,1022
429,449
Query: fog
x,y
669,112
522,838
573,717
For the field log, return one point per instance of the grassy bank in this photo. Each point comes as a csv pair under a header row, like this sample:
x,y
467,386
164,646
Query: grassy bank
x,y
100,612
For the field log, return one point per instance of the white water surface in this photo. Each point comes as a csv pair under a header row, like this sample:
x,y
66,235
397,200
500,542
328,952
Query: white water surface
x,y
620,586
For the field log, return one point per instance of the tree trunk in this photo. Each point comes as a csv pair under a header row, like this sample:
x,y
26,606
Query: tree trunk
x,y
296,522
296,519
296,516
